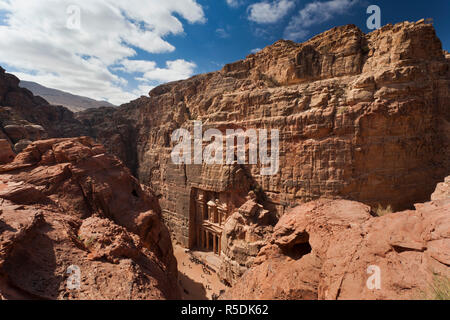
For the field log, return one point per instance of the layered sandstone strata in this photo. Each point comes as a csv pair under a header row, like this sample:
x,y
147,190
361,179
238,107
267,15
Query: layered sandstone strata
x,y
25,118
66,206
361,117
330,249
244,234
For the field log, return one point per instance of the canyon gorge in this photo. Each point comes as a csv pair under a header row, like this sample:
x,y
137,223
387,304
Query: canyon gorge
x,y
364,124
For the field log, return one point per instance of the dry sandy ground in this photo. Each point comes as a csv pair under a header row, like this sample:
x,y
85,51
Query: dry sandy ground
x,y
195,283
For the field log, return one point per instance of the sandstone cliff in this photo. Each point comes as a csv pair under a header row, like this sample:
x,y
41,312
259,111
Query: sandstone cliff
x,y
25,118
244,234
65,203
328,249
362,117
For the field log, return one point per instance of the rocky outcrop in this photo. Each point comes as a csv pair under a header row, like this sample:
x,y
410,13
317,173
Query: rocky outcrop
x,y
244,233
361,117
116,130
6,153
66,206
442,191
333,249
25,118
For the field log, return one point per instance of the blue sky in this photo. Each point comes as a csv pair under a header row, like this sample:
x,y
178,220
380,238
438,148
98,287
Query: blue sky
x,y
204,46
124,48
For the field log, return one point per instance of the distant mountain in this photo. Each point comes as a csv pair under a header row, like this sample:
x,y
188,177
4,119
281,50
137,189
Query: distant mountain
x,y
57,97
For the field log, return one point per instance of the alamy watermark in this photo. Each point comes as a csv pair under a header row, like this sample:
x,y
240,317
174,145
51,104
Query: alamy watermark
x,y
374,21
190,149
74,278
374,281
73,21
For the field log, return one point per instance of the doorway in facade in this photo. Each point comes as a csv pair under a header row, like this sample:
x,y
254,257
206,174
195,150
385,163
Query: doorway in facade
x,y
208,215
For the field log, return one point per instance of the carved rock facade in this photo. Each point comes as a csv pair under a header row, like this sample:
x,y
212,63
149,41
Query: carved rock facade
x,y
362,117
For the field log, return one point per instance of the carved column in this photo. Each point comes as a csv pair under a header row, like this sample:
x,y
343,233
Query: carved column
x,y
223,209
201,206
198,235
220,244
203,239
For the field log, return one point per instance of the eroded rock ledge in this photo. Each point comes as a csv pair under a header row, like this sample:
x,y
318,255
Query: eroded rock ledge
x,y
362,117
322,250
25,118
66,202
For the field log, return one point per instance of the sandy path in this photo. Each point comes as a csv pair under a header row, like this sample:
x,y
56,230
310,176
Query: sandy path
x,y
195,283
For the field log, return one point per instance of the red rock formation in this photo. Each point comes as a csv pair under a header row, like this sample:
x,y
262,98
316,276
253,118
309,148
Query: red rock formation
x,y
65,202
323,249
442,190
244,233
6,154
25,118
362,117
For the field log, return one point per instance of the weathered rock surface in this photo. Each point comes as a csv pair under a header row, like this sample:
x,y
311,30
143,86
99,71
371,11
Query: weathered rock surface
x,y
323,249
244,233
25,118
65,202
442,191
6,153
361,117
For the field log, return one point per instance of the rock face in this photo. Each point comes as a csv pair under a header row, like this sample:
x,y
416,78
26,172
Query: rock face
x,y
25,118
442,190
361,117
244,233
66,206
329,249
6,153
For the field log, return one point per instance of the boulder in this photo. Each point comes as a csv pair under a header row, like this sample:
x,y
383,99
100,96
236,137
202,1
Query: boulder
x,y
337,249
6,153
69,209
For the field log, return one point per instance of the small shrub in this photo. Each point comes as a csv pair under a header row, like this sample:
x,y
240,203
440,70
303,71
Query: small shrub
x,y
381,211
438,290
89,242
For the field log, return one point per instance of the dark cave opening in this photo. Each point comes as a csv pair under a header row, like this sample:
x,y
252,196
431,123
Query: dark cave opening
x,y
298,248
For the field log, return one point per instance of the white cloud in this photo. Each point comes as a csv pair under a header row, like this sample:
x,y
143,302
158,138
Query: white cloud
x,y
234,3
269,12
255,50
315,13
222,33
262,33
175,70
143,90
131,66
37,42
